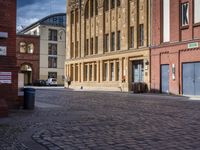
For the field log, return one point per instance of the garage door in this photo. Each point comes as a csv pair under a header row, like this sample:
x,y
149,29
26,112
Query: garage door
x,y
191,79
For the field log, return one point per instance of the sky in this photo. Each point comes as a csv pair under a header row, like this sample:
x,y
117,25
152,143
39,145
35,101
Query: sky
x,y
30,11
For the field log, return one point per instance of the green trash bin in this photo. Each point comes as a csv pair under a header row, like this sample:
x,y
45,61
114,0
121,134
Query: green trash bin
x,y
29,98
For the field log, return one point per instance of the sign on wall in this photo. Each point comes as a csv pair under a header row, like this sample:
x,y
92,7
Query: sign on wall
x,y
3,50
193,45
5,77
3,35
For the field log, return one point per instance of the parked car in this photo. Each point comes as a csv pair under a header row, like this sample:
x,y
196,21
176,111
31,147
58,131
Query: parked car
x,y
51,82
39,83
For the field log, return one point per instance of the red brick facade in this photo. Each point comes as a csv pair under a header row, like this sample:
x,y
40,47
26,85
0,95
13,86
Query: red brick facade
x,y
31,59
175,51
9,92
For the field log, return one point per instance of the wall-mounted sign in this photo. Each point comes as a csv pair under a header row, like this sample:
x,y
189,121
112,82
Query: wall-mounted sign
x,y
3,34
193,45
5,77
3,50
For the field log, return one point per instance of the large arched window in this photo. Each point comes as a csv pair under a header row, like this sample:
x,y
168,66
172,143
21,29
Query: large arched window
x,y
22,47
30,48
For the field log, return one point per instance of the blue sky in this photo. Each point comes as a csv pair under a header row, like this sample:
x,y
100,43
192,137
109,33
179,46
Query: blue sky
x,y
29,11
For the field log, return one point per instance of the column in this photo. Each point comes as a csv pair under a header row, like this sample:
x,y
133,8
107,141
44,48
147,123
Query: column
x,y
115,70
79,72
88,72
101,70
82,72
74,72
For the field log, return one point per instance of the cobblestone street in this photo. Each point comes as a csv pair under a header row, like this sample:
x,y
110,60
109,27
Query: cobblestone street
x,y
73,120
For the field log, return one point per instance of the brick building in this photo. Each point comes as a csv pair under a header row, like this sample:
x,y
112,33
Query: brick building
x,y
28,54
108,43
8,67
175,54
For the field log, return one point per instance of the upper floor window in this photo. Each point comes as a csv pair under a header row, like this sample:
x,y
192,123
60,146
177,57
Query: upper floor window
x,y
141,35
118,40
132,37
52,62
22,47
185,14
30,48
72,17
106,5
52,49
196,11
112,4
118,3
53,35
106,42
113,41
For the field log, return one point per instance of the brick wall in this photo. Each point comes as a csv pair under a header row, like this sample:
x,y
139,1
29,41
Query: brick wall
x,y
29,59
8,92
176,50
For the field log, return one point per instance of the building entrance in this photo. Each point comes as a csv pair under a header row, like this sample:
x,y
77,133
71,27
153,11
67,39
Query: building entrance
x,y
27,71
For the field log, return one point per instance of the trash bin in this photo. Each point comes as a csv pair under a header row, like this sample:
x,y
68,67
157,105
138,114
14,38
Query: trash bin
x,y
29,98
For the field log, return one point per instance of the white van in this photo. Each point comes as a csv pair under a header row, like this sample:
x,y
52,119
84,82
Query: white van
x,y
52,82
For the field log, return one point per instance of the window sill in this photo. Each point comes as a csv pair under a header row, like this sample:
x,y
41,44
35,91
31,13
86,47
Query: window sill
x,y
196,24
184,27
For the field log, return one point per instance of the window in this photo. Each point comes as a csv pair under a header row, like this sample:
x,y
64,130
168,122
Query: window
x,y
76,49
87,47
105,71
185,14
86,72
72,72
112,71
91,46
87,10
112,4
95,72
91,8
52,75
52,49
76,72
52,62
166,20
96,45
30,48
106,5
118,3
132,37
96,8
72,50
22,47
53,35
196,11
118,71
141,35
118,40
72,17
106,43
113,41
90,69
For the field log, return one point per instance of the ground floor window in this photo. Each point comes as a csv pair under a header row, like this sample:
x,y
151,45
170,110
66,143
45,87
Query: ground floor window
x,y
52,75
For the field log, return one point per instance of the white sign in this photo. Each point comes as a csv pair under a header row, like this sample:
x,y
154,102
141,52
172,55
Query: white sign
x,y
3,50
3,34
5,77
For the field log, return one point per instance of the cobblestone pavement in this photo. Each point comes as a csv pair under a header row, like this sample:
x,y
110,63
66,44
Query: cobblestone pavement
x,y
75,120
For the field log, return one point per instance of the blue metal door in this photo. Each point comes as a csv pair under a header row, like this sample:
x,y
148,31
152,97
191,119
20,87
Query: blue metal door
x,y
165,78
197,79
191,79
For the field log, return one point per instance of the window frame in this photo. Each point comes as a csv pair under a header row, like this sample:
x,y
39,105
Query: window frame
x,y
187,14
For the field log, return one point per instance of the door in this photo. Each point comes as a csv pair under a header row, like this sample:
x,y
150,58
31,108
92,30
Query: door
x,y
138,71
191,79
165,78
